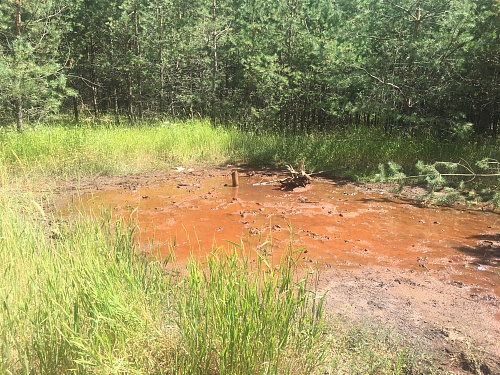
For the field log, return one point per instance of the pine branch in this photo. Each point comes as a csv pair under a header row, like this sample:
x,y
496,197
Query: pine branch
x,y
378,79
463,164
448,175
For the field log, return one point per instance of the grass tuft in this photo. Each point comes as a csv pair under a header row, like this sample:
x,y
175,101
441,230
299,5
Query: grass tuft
x,y
77,301
238,317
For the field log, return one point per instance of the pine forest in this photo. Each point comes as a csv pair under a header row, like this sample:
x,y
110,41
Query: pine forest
x,y
287,65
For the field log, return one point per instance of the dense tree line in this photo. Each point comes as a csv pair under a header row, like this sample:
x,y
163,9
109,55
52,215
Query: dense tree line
x,y
289,64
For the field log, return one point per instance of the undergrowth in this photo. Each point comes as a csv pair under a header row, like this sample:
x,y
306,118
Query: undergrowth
x,y
71,151
77,297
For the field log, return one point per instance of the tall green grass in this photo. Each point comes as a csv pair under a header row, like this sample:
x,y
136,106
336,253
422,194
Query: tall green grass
x,y
357,152
272,325
70,151
76,297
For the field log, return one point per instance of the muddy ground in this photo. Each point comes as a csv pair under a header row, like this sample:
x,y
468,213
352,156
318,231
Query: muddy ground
x,y
432,274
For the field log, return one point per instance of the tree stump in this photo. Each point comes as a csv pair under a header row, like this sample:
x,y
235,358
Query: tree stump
x,y
297,179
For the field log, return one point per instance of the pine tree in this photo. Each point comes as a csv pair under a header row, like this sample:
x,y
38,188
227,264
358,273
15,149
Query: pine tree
x,y
32,79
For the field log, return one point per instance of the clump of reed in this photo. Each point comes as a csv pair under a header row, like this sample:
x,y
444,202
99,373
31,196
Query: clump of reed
x,y
247,317
74,295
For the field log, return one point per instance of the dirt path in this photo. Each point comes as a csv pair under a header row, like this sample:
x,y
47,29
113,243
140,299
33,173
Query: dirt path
x,y
385,261
446,318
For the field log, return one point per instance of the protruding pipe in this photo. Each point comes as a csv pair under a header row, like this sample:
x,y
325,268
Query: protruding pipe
x,y
234,176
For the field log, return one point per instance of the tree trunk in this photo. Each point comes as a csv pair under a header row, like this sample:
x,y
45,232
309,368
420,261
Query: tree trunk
x,y
411,62
161,72
19,5
214,66
19,115
117,109
75,108
130,106
94,86
18,105
137,51
94,101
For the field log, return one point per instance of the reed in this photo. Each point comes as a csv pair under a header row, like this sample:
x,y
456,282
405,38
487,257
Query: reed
x,y
240,317
75,298
73,151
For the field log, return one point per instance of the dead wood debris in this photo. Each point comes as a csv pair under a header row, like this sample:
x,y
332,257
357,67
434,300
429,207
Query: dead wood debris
x,y
297,179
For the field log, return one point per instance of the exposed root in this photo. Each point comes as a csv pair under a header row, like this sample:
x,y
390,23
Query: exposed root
x,y
297,179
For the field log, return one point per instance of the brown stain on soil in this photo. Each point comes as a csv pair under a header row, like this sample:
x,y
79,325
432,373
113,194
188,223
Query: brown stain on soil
x,y
432,273
334,224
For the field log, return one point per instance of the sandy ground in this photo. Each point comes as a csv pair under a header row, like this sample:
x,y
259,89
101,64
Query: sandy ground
x,y
447,319
451,319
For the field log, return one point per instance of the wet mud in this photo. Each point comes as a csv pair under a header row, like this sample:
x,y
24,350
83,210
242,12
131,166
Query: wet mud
x,y
332,223
432,272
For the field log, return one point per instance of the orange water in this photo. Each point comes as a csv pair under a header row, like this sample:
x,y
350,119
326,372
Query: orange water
x,y
329,223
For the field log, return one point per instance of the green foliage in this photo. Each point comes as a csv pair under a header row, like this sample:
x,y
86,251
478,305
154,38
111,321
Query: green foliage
x,y
462,130
489,165
496,200
289,65
394,171
448,183
432,175
239,318
32,83
449,197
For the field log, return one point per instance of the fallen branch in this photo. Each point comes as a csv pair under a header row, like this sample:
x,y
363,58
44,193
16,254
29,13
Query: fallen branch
x,y
442,191
448,175
465,165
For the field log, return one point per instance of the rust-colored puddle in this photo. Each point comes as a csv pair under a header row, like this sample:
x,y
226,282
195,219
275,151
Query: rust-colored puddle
x,y
334,224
